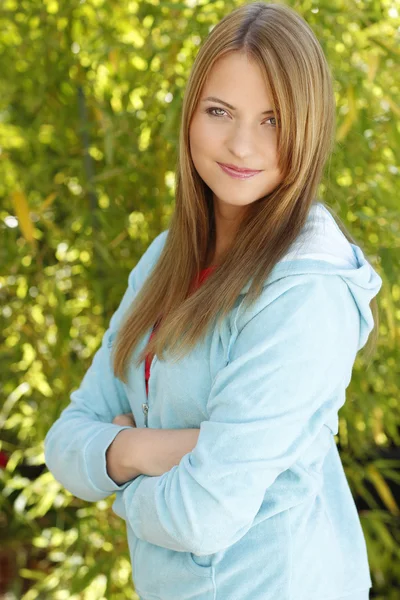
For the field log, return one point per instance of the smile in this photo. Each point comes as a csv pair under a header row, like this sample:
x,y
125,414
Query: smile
x,y
237,174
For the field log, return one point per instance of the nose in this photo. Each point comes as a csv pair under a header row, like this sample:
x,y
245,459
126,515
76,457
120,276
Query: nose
x,y
242,142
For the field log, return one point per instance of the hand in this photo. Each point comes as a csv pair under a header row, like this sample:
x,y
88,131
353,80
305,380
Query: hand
x,y
121,456
125,419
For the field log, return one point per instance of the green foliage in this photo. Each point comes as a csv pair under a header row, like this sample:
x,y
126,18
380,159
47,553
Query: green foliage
x,y
90,106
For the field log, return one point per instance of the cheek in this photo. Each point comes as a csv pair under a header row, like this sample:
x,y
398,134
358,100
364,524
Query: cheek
x,y
199,149
194,139
203,136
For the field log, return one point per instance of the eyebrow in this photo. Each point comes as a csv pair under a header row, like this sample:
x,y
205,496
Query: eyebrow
x,y
214,99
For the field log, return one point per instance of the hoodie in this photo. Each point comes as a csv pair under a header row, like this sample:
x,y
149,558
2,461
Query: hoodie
x,y
261,508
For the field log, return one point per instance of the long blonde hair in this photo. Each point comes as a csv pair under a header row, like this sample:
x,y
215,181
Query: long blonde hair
x,y
300,85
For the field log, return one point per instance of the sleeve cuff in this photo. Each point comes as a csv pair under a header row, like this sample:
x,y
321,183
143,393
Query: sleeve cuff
x,y
95,459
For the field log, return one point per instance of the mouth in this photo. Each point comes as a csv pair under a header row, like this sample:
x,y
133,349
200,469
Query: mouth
x,y
238,173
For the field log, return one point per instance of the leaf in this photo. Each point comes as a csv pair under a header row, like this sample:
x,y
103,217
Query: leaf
x,y
81,583
22,211
383,533
47,202
383,490
350,118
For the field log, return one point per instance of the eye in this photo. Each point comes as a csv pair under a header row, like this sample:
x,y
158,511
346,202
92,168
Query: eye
x,y
210,112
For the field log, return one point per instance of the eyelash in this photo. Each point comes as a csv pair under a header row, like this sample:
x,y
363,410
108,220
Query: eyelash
x,y
208,111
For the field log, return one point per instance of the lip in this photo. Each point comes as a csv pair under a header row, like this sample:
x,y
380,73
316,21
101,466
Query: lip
x,y
238,174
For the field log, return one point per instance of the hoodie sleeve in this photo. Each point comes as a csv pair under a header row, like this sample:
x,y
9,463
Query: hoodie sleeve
x,y
290,365
75,445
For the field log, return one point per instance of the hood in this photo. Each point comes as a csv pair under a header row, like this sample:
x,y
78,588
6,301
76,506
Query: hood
x,y
323,248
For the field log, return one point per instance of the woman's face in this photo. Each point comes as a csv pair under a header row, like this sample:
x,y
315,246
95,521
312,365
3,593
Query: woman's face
x,y
242,136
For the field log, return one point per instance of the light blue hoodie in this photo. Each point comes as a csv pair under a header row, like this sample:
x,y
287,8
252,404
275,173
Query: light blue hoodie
x,y
261,508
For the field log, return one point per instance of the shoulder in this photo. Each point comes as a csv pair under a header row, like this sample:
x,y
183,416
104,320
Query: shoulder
x,y
321,239
290,299
148,259
299,318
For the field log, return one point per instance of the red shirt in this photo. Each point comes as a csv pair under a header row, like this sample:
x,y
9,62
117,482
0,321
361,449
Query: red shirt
x,y
203,275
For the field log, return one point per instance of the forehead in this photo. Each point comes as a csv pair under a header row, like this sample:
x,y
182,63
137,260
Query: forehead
x,y
238,80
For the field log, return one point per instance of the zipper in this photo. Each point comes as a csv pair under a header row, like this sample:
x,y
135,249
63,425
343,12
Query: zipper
x,y
145,405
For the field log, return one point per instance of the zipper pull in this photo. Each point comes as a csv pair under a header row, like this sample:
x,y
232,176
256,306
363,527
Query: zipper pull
x,y
145,408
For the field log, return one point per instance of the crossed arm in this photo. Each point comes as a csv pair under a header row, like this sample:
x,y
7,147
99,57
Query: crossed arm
x,y
143,451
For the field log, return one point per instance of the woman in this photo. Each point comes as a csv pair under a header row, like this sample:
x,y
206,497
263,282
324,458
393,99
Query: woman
x,y
250,310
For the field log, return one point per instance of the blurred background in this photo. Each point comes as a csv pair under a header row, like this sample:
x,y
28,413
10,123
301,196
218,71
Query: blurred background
x,y
90,101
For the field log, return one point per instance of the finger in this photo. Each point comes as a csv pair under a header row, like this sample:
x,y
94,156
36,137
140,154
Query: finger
x,y
125,419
